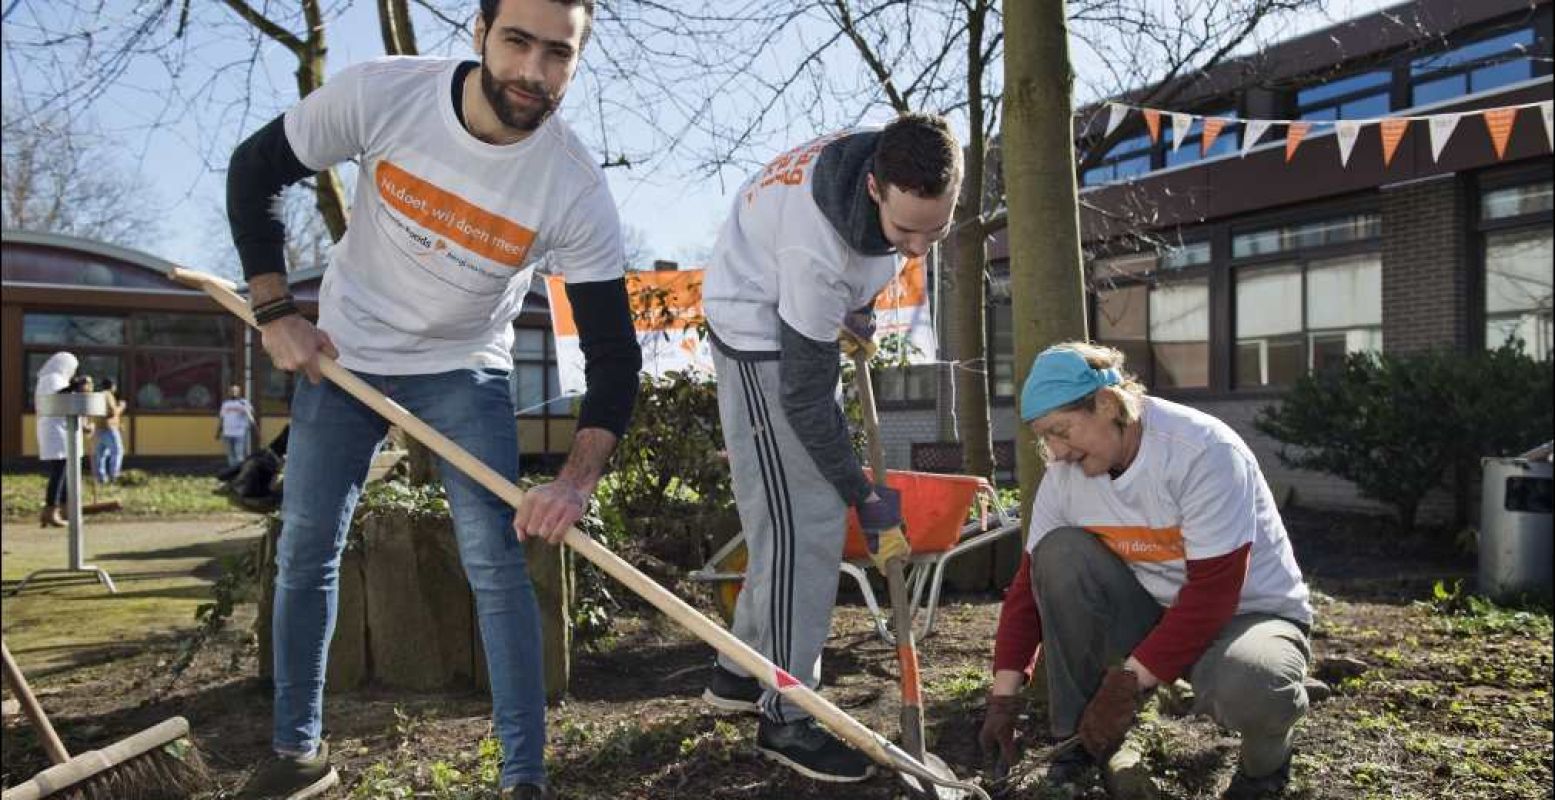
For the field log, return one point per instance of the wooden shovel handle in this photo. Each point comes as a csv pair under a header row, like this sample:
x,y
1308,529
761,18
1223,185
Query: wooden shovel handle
x,y
854,732
895,578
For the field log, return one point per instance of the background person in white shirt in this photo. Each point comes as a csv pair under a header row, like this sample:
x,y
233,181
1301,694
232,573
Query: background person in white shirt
x,y
236,418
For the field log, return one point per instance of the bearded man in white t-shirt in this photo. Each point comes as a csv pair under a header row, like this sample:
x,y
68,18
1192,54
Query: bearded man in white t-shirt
x,y
810,241
1155,552
466,183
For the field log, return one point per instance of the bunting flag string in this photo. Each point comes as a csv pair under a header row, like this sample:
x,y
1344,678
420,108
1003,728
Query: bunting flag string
x,y
1499,123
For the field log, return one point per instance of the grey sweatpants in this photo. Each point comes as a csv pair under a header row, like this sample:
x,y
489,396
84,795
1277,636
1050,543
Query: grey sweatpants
x,y
794,523
1095,612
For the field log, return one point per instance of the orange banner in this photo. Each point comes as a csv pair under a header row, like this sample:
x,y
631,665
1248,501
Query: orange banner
x,y
454,218
1293,136
661,300
1392,133
1499,122
1153,122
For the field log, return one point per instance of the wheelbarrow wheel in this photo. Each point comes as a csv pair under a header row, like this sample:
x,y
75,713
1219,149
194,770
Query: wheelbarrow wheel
x,y
727,593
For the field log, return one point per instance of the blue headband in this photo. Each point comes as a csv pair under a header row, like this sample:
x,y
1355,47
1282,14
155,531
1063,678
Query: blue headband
x,y
1059,377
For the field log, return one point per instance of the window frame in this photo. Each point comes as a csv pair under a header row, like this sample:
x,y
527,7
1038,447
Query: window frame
x,y
1487,182
1152,279
129,384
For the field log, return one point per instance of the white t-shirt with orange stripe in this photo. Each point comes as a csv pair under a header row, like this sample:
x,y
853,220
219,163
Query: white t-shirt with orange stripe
x,y
1193,492
778,258
446,230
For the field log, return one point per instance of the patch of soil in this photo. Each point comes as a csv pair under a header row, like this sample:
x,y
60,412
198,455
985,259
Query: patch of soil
x,y
1446,707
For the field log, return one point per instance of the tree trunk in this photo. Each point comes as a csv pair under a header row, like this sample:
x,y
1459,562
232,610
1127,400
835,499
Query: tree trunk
x,y
1047,285
969,293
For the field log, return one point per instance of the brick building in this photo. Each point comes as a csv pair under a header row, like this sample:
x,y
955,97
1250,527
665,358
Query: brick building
x,y
1226,275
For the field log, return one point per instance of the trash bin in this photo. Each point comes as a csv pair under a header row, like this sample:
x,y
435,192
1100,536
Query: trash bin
x,y
1515,535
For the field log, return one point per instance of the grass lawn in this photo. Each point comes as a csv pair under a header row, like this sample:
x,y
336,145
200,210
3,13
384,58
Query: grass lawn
x,y
163,571
158,496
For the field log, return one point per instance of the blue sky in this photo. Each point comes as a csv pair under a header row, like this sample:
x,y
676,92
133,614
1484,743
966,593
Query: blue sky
x,y
179,147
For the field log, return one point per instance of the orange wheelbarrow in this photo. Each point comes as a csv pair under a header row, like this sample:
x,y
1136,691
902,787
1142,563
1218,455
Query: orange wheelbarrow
x,y
940,526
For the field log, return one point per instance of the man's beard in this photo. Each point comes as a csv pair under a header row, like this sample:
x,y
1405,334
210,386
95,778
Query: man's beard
x,y
526,120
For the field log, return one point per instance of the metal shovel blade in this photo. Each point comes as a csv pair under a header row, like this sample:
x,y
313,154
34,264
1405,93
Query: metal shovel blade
x,y
938,766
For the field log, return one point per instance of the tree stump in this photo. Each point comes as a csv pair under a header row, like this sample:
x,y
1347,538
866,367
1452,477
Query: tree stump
x,y
406,615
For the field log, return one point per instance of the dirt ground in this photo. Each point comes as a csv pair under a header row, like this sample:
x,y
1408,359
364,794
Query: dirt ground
x,y
1448,705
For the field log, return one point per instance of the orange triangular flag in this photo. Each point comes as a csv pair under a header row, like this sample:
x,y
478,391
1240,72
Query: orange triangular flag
x,y
1499,121
1392,132
1153,122
1293,135
1212,126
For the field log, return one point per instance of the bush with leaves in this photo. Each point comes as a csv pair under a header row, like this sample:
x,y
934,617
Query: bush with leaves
x,y
1396,426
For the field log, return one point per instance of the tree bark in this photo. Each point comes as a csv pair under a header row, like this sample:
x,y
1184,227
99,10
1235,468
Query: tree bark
x,y
969,294
1047,285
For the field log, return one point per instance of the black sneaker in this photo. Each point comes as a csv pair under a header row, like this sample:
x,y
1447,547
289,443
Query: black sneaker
x,y
1271,785
811,751
292,778
528,791
1067,768
727,691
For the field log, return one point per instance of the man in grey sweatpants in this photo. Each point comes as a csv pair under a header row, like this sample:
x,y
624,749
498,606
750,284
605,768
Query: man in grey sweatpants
x,y
809,243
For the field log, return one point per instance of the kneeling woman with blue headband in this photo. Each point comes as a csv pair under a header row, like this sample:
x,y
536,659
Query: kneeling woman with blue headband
x,y
1155,552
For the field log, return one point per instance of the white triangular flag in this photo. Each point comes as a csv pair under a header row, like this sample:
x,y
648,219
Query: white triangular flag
x,y
1549,125
1442,126
1115,114
1252,133
1181,124
1347,131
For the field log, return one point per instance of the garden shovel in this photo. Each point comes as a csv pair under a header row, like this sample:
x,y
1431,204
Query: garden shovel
x,y
901,608
874,745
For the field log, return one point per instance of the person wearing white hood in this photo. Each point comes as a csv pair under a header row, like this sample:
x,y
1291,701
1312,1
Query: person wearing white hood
x,y
53,378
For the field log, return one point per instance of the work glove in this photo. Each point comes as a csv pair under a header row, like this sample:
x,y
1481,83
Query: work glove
x,y
999,726
1110,713
858,332
881,520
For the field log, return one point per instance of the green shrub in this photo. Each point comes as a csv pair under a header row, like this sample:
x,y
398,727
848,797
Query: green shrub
x,y
1396,426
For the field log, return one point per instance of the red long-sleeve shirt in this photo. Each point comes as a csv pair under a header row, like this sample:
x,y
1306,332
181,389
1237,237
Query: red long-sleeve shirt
x,y
1204,605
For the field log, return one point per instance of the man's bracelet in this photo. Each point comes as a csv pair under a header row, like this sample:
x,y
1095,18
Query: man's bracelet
x,y
275,309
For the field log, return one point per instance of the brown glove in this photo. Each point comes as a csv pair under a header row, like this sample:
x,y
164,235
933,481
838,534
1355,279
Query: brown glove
x,y
999,726
1110,713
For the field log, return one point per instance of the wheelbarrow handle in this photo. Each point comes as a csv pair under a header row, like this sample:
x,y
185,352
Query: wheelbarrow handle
x,y
873,744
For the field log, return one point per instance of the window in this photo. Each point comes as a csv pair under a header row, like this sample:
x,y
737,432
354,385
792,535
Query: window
x,y
1485,64
1179,334
161,361
1122,321
167,380
1001,350
1190,254
72,329
1518,275
913,384
272,385
1127,159
1291,318
1516,201
1160,325
1342,230
536,383
1354,97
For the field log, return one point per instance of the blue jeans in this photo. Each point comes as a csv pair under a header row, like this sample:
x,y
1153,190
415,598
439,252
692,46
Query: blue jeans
x,y
237,449
333,440
108,455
